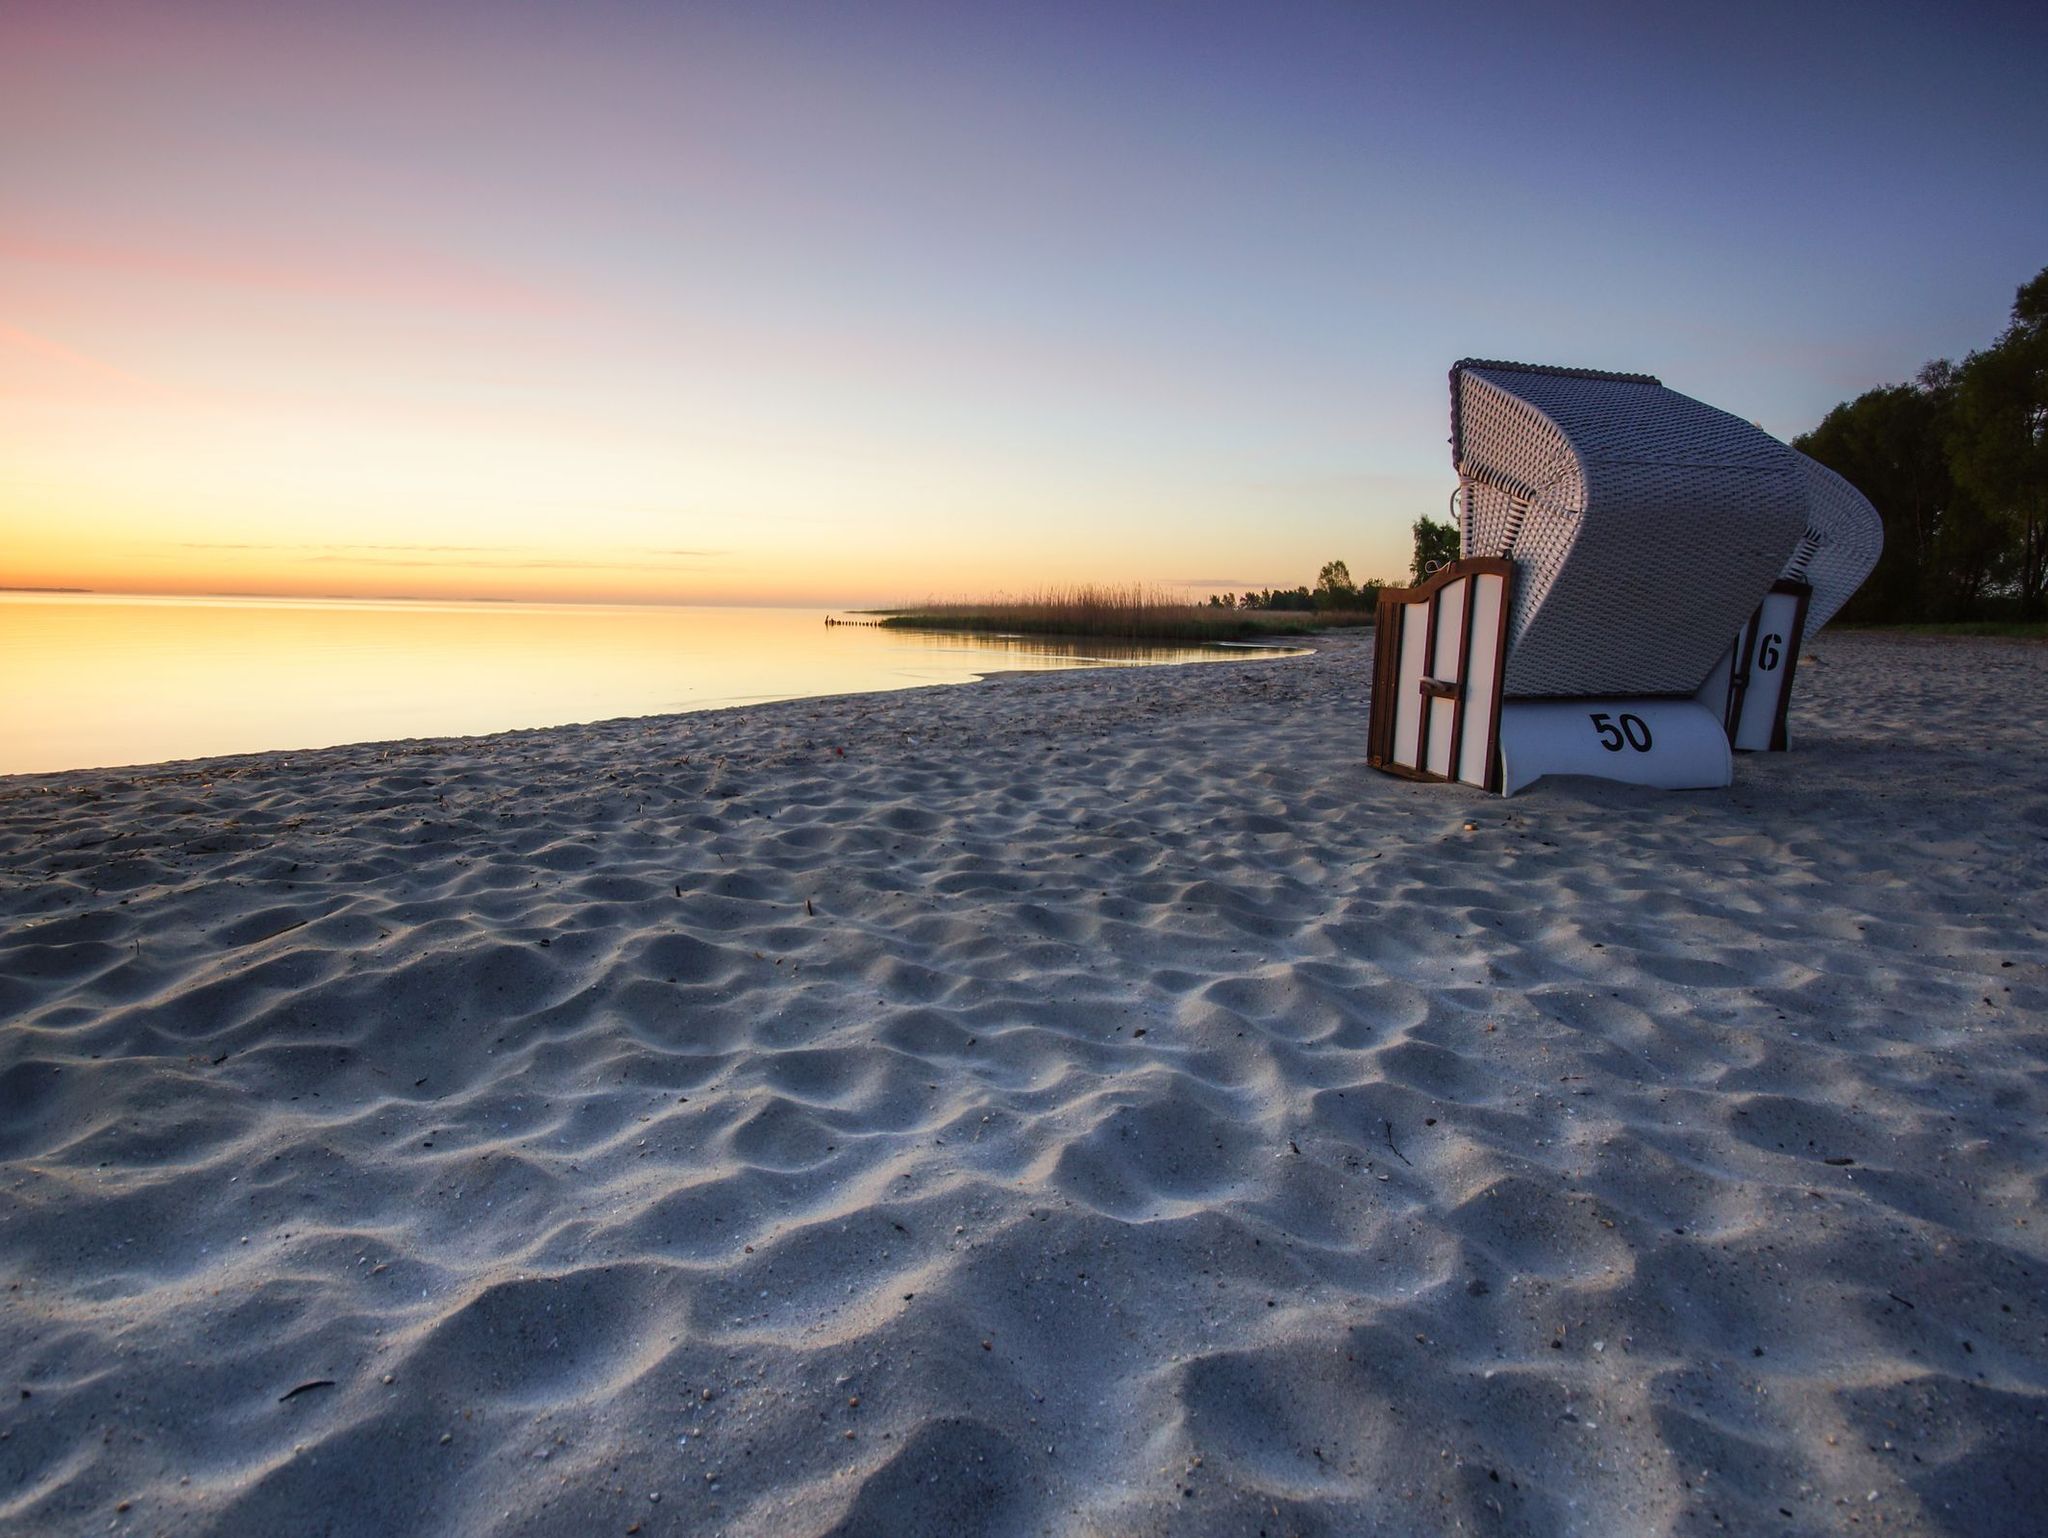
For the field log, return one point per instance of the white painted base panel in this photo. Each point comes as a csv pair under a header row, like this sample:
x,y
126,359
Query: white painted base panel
x,y
1670,744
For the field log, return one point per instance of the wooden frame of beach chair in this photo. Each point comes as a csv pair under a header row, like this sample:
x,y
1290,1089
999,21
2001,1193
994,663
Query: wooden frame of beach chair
x,y
1629,528
1441,683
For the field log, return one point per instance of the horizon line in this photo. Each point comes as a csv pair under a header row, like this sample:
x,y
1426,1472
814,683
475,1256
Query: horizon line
x,y
608,603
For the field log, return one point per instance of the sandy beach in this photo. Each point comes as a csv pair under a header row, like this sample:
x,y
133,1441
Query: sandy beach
x,y
1083,1103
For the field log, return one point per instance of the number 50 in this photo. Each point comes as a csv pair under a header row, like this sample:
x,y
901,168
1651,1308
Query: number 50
x,y
1630,730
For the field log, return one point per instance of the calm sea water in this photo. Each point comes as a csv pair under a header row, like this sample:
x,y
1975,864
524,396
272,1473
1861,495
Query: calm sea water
x,y
93,681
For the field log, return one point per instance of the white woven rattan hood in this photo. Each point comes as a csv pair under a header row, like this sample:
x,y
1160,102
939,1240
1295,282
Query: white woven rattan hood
x,y
1644,525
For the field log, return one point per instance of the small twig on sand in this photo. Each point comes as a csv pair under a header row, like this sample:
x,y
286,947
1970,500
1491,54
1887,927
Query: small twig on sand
x,y
1396,1147
304,1387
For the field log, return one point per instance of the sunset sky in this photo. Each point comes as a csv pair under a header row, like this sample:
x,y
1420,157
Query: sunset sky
x,y
856,303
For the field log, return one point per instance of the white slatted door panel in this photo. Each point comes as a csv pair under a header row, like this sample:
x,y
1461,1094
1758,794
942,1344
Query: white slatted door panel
x,y
1482,678
1443,667
1408,686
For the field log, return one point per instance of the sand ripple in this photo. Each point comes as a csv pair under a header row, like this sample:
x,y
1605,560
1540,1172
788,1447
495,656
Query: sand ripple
x,y
1077,1104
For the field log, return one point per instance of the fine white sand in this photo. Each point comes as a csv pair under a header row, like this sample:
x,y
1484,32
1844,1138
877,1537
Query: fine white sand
x,y
1081,1103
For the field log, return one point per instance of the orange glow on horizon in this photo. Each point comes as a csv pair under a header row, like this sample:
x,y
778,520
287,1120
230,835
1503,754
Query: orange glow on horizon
x,y
632,339
113,480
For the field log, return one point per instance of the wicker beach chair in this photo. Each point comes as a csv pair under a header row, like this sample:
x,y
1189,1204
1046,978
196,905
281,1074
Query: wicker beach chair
x,y
1615,535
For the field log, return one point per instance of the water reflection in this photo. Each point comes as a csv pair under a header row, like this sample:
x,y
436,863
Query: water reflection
x,y
88,680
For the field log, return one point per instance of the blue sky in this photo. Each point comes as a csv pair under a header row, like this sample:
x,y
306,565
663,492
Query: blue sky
x,y
859,303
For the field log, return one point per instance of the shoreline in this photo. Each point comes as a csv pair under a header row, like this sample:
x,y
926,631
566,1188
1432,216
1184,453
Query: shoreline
x,y
1093,1103
1248,650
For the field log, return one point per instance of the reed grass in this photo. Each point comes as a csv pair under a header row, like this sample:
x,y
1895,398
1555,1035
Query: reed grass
x,y
1130,612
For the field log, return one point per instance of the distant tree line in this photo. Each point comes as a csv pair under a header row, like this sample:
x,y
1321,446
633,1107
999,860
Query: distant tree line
x,y
1956,464
1435,544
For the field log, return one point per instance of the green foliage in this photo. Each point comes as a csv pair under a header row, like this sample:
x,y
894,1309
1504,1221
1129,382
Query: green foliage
x,y
1436,544
1334,587
1956,464
1291,598
1998,441
1890,444
1335,595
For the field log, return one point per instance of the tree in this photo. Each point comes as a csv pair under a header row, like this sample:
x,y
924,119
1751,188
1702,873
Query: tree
x,y
1998,442
1289,598
1334,587
1436,544
1969,559
1891,445
1956,464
